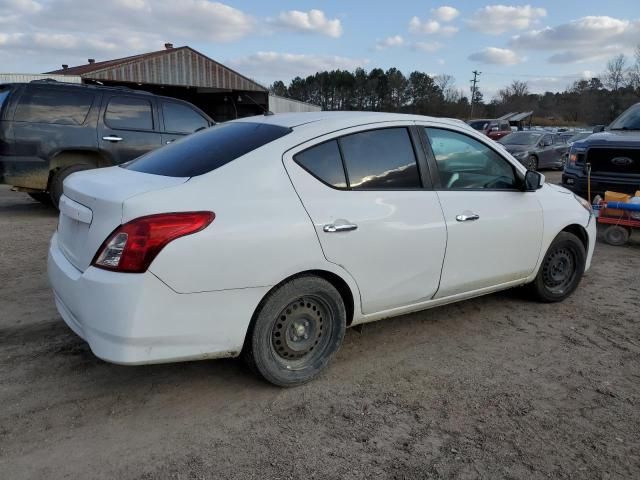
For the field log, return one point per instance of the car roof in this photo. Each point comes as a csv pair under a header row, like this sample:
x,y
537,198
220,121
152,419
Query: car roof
x,y
333,118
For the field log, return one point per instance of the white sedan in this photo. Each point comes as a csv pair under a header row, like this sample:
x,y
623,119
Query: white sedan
x,y
268,236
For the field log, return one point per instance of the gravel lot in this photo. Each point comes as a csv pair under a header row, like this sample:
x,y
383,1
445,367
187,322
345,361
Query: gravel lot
x,y
497,387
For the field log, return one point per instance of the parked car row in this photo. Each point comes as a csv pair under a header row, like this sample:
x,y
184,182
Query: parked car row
x,y
49,130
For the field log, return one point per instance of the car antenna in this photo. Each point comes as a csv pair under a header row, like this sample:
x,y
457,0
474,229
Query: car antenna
x,y
267,113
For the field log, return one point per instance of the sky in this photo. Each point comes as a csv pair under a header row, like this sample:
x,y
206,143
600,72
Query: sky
x,y
547,43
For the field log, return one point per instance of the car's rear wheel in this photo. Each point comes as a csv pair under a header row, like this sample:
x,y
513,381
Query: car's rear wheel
x,y
616,235
57,180
296,332
561,270
532,163
41,197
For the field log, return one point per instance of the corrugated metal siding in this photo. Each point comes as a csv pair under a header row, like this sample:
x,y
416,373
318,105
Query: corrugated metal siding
x,y
283,105
28,77
183,67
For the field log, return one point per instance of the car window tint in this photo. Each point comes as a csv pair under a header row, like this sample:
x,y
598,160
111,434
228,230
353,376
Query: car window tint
x,y
4,93
464,162
129,113
66,107
207,150
181,118
380,159
324,162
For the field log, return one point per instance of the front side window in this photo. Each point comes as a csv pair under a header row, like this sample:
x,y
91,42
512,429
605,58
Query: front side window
x,y
324,162
380,159
129,113
64,107
181,118
466,163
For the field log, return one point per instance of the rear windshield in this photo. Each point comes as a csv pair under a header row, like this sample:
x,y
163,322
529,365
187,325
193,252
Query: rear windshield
x,y
207,150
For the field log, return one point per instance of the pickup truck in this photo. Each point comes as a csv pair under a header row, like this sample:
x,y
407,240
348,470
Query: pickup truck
x,y
610,157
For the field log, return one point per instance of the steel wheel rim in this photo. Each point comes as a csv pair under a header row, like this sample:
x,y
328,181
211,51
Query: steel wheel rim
x,y
302,332
559,269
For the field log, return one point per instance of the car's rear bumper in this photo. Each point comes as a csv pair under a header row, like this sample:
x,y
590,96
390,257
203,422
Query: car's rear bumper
x,y
137,319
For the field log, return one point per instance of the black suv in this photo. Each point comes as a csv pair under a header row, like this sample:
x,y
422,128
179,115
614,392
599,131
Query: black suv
x,y
613,154
49,130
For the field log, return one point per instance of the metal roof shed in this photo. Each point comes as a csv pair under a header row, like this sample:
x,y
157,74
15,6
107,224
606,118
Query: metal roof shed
x,y
180,72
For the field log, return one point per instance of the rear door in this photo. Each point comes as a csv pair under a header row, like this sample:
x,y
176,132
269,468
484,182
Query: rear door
x,y
367,193
129,126
494,229
179,120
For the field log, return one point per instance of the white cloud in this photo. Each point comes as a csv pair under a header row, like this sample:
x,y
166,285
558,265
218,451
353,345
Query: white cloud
x,y
47,33
389,42
269,66
428,47
313,21
445,13
496,19
496,56
430,27
583,39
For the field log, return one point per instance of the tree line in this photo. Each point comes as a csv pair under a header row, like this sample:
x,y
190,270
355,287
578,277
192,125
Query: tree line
x,y
589,101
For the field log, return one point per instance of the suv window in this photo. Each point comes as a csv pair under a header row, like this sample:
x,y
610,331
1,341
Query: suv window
x,y
380,159
546,140
4,93
207,150
324,162
180,118
53,105
464,162
129,113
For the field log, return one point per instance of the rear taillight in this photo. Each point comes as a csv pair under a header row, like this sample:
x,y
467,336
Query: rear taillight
x,y
133,246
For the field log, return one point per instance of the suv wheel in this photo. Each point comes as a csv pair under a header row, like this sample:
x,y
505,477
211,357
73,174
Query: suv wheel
x,y
532,163
296,332
561,270
55,187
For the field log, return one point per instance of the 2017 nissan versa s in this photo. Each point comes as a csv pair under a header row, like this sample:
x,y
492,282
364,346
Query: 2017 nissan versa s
x,y
268,236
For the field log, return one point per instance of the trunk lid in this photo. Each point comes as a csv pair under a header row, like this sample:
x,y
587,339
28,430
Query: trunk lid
x,y
91,207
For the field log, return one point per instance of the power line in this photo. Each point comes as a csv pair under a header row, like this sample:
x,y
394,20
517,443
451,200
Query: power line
x,y
474,89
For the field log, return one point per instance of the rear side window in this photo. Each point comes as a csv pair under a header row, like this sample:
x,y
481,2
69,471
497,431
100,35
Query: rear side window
x,y
129,113
324,162
180,118
4,93
207,150
380,159
40,105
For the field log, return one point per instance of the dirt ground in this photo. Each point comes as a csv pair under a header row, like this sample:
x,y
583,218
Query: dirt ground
x,y
497,387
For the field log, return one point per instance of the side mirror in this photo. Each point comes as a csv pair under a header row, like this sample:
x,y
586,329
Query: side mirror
x,y
533,181
598,128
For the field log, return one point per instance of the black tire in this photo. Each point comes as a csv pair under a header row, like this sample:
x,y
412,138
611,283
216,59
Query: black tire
x,y
55,186
296,332
561,270
616,235
41,197
532,163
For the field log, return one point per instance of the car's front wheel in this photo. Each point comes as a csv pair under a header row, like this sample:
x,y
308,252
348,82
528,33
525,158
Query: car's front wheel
x,y
296,332
561,270
532,163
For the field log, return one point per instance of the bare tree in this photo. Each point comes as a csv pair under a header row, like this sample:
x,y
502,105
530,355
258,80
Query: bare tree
x,y
447,85
633,75
517,89
614,75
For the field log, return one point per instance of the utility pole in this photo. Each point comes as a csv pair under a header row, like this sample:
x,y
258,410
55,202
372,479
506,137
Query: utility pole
x,y
474,89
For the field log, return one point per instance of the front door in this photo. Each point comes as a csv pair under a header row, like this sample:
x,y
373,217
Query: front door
x,y
364,193
128,127
494,229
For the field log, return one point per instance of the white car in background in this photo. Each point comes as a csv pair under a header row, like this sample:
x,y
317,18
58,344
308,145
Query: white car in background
x,y
268,236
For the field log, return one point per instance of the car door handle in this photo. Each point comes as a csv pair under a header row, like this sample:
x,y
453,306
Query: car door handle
x,y
467,217
343,227
112,138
